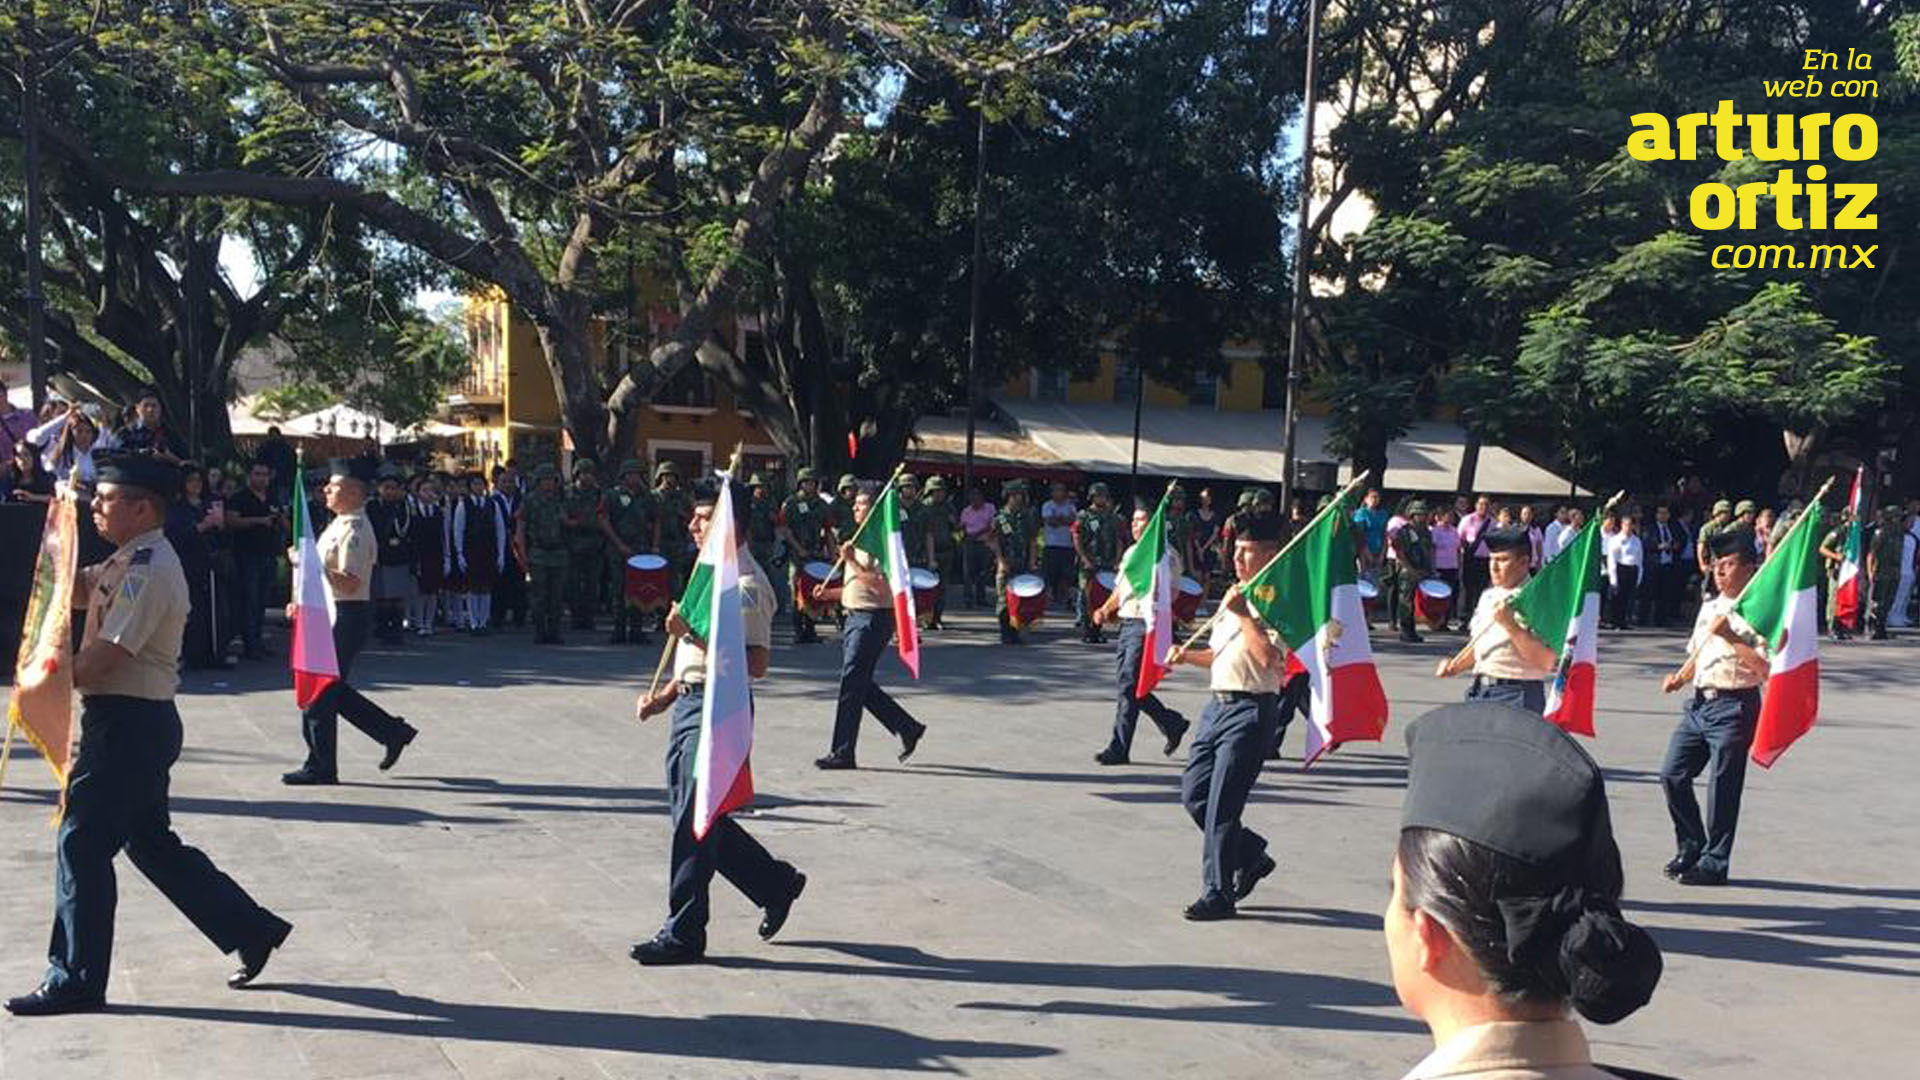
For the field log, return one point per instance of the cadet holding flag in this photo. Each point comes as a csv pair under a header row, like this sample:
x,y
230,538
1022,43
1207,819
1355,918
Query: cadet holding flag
x,y
1141,601
878,599
1509,662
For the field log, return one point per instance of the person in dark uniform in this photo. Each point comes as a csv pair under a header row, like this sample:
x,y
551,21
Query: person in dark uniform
x,y
1246,664
631,526
1131,610
1096,547
803,528
1014,540
771,884
428,537
391,516
586,547
480,550
1505,913
840,513
763,531
941,523
510,592
1413,562
1508,661
347,552
1886,550
1717,726
130,736
868,601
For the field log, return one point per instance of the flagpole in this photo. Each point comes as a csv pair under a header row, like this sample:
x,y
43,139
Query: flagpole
x,y
1352,486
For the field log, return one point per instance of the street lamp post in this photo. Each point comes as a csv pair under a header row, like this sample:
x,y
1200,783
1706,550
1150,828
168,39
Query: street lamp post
x,y
1302,243
30,151
975,284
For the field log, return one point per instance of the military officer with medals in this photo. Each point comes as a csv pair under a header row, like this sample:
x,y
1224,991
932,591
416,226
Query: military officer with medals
x,y
1096,547
803,529
1508,661
630,526
1015,541
126,672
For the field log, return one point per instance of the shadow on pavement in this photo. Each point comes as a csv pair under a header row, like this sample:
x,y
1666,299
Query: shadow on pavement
x,y
1831,939
767,1040
332,813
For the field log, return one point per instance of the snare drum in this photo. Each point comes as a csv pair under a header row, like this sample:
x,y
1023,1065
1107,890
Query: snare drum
x,y
1026,600
926,594
1432,602
1186,599
646,583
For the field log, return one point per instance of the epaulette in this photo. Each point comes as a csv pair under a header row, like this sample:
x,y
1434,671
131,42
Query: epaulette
x,y
141,557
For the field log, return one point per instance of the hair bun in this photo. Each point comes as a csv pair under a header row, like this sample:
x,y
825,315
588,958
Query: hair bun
x,y
1611,965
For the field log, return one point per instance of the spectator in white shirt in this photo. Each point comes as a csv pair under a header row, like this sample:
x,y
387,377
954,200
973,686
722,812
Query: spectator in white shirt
x,y
1625,556
1554,538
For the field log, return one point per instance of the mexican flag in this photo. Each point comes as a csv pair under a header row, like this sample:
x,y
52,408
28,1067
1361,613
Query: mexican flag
x,y
1561,607
722,775
41,704
1311,596
880,537
315,665
1782,605
1846,591
1147,571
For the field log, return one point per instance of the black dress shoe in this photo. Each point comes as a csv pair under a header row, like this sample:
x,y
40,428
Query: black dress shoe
x,y
47,1001
665,951
911,742
1246,878
834,761
397,746
1679,864
254,958
303,778
776,916
1699,875
1109,757
1210,908
1174,737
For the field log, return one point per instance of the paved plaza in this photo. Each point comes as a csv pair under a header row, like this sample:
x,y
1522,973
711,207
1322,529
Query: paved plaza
x,y
1002,907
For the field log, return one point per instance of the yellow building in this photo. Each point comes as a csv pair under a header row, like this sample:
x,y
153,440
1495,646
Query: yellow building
x,y
508,403
1246,385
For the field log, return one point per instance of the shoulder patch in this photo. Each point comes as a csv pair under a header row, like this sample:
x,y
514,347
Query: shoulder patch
x,y
141,557
131,585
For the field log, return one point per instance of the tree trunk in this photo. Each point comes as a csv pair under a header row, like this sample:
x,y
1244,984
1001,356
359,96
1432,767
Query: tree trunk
x,y
566,340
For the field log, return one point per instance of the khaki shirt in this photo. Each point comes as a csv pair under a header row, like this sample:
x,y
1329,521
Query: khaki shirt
x,y
1135,607
1514,1050
347,546
1234,667
1715,665
866,588
1493,653
756,609
140,604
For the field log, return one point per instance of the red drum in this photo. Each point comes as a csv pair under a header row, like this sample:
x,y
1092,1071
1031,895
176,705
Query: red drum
x,y
1186,599
1432,602
1026,600
647,584
1099,589
806,585
926,594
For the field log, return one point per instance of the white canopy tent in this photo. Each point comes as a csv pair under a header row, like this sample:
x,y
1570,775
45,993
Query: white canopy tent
x,y
347,422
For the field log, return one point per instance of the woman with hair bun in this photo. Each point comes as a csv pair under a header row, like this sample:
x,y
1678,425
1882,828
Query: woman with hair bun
x,y
1505,916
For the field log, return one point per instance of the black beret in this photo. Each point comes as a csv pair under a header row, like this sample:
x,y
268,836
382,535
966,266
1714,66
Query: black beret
x,y
1505,779
139,470
1733,542
1510,538
354,468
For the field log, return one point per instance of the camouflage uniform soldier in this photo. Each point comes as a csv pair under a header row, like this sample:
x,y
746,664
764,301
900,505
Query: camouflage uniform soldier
x,y
1722,519
763,536
803,529
1096,544
942,526
1833,551
674,503
1179,527
1884,552
840,513
631,526
586,546
1413,552
1016,531
541,532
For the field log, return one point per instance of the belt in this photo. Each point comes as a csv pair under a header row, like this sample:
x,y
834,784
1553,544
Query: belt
x,y
1709,693
1228,697
688,688
1490,680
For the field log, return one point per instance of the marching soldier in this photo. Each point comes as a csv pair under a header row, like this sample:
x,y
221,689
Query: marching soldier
x,y
1717,727
586,545
346,551
942,528
1884,553
868,602
674,503
1132,612
1015,539
630,526
1722,518
1096,545
1413,551
1246,664
542,538
803,528
126,673
771,884
1509,663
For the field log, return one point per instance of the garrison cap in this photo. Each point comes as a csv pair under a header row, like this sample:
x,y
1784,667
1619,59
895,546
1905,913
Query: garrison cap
x,y
1733,542
1722,506
353,468
1511,538
1496,775
1746,506
143,471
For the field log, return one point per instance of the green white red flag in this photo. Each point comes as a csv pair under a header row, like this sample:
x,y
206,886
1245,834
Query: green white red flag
x,y
1782,604
41,704
1147,571
1560,605
315,664
1311,596
1846,591
882,537
722,772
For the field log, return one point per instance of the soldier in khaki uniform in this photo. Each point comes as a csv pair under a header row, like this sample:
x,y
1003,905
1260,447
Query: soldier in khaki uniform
x,y
130,736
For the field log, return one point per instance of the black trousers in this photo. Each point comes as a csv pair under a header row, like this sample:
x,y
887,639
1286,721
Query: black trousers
x,y
1659,593
1624,591
1713,737
1475,576
863,641
1223,762
353,621
727,848
510,595
117,798
1127,708
1057,570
